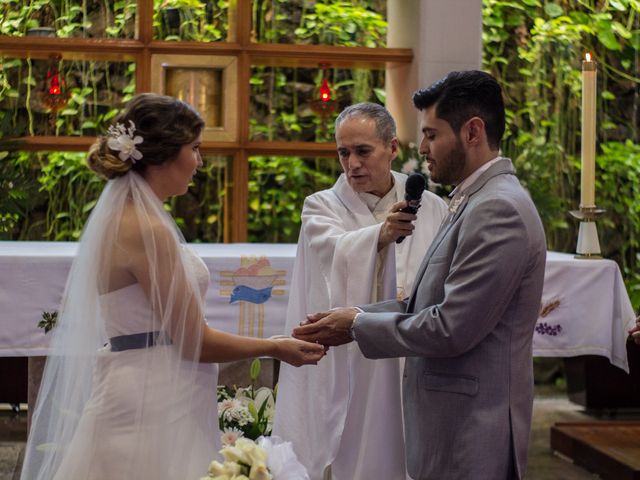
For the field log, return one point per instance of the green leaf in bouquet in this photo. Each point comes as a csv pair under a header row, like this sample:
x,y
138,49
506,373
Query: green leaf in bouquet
x,y
253,411
254,370
262,408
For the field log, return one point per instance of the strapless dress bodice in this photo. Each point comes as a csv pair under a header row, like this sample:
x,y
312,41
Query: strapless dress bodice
x,y
127,310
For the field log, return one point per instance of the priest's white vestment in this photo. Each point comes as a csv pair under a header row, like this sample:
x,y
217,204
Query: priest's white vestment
x,y
346,411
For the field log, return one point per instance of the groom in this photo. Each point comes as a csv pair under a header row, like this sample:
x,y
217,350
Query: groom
x,y
468,325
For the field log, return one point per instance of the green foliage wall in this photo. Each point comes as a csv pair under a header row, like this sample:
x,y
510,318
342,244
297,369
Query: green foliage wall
x,y
535,49
96,93
193,20
69,18
357,23
277,189
49,195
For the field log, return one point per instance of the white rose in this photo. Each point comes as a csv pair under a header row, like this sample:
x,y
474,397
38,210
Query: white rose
x,y
252,452
245,443
232,454
216,468
259,472
231,468
225,404
256,456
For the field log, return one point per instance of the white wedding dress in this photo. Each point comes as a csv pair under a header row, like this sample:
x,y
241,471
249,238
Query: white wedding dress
x,y
123,396
122,431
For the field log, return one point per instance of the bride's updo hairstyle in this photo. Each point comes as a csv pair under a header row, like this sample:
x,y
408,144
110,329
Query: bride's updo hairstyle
x,y
163,125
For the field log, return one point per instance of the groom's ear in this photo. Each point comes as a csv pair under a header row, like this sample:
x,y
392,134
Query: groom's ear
x,y
473,132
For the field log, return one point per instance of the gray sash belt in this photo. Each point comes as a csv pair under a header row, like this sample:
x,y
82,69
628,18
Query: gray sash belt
x,y
138,340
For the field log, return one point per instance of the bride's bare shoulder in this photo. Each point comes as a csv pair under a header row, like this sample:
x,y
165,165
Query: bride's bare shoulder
x,y
136,230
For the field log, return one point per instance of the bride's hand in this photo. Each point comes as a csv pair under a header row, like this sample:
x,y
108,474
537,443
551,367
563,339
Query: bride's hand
x,y
297,352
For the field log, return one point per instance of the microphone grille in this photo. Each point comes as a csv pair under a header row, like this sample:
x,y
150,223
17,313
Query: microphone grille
x,y
416,184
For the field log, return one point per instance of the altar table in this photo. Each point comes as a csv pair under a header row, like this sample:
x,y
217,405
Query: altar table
x,y
585,308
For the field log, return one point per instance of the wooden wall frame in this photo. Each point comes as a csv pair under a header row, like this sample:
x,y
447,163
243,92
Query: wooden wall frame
x,y
236,143
224,130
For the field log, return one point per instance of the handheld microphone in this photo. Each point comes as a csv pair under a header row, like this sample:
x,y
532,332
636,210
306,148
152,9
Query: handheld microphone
x,y
413,194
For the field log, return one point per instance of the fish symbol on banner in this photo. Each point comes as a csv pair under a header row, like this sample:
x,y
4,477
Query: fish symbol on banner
x,y
248,294
254,281
252,285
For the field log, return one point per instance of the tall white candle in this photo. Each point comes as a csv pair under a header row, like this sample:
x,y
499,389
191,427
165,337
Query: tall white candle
x,y
588,171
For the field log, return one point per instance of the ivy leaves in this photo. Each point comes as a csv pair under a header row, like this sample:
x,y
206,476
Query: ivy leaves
x,y
535,48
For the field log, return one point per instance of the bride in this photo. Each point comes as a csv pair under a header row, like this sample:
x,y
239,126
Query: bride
x,y
129,389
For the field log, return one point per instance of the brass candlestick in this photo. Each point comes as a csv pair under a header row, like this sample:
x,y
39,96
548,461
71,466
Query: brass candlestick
x,y
588,246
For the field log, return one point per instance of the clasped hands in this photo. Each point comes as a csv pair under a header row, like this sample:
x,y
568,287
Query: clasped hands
x,y
330,328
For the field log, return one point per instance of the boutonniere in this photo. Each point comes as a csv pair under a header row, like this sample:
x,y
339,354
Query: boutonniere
x,y
455,203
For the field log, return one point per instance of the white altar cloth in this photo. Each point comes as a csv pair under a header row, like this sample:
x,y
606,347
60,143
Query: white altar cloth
x,y
33,277
585,308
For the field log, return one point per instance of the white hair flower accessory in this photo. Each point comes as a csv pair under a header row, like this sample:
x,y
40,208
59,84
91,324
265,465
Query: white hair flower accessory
x,y
121,140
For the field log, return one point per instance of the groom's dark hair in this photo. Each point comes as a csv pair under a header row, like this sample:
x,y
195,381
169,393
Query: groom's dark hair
x,y
463,95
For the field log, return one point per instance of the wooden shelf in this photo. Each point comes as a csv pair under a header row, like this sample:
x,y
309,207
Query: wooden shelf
x,y
50,143
281,55
70,48
195,48
294,149
77,144
292,55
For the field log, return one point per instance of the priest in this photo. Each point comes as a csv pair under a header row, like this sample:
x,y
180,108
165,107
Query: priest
x,y
356,246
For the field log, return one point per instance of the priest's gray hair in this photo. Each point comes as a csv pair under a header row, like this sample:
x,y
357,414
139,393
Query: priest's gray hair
x,y
385,124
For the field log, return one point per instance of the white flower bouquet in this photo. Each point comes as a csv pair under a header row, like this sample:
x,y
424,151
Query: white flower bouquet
x,y
245,411
246,414
268,458
244,460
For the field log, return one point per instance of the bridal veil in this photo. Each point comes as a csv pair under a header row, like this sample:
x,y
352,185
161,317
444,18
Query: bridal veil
x,y
123,394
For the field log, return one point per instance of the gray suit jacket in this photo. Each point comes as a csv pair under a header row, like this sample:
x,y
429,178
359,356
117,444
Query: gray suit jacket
x,y
467,330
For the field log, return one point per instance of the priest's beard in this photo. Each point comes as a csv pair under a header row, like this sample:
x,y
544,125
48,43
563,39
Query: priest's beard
x,y
449,170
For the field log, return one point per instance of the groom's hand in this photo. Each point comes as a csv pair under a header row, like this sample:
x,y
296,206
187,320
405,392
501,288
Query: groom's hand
x,y
328,328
